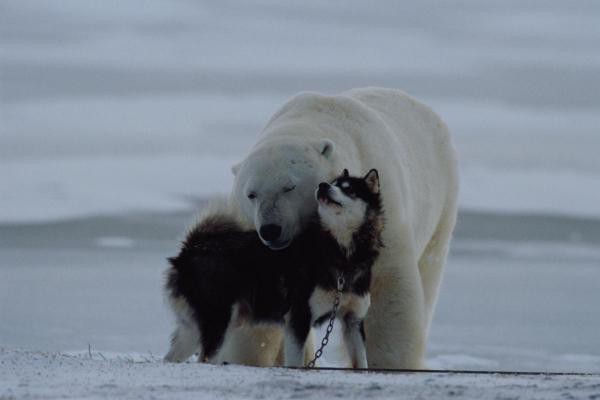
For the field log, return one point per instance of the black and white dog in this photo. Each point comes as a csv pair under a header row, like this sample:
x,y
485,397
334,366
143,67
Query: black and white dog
x,y
225,276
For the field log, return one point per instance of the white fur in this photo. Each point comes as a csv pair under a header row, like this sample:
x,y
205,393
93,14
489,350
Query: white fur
x,y
293,350
410,147
355,344
185,341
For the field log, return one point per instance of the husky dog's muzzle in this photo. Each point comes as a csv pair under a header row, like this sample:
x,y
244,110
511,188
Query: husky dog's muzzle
x,y
323,194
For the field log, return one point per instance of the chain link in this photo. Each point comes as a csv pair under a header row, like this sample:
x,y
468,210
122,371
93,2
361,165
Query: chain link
x,y
336,303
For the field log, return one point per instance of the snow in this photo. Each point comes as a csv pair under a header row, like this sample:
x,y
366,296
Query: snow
x,y
34,375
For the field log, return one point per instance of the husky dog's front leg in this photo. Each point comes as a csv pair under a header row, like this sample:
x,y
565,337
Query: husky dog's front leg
x,y
354,338
297,328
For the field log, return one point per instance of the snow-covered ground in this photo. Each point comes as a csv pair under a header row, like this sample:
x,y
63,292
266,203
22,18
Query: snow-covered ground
x,y
118,119
35,375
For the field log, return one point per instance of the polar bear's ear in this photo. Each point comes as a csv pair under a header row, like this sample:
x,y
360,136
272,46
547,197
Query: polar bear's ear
x,y
325,147
235,168
372,179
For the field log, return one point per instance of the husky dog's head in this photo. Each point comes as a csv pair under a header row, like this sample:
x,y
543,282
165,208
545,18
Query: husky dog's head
x,y
347,203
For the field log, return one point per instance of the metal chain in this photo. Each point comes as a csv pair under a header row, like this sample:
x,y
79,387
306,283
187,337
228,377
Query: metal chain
x,y
336,303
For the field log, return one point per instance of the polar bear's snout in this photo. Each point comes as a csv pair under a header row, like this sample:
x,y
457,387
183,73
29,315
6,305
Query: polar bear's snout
x,y
270,222
270,232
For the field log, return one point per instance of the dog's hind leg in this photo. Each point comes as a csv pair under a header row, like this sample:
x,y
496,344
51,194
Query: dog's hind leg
x,y
354,339
297,329
215,326
184,342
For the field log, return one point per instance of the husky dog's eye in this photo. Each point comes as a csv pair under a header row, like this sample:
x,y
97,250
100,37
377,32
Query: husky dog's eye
x,y
346,188
289,189
252,196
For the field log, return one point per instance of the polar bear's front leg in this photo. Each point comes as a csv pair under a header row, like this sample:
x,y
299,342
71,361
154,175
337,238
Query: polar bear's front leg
x,y
396,324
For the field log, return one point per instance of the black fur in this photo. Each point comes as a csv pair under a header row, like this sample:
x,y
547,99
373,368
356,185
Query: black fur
x,y
221,265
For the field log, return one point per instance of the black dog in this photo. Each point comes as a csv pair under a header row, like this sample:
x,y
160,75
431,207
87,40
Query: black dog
x,y
224,275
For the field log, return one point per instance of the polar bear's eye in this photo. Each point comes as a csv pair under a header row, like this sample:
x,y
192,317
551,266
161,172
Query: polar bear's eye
x,y
289,189
252,196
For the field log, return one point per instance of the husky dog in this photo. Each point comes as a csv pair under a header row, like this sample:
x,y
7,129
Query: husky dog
x,y
345,241
225,276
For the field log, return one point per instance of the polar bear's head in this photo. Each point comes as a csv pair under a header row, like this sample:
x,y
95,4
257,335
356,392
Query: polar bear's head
x,y
274,186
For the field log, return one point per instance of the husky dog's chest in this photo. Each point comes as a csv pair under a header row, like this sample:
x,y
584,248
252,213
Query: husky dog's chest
x,y
321,303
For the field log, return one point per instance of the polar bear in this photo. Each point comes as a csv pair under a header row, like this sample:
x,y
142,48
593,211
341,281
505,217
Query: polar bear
x,y
312,138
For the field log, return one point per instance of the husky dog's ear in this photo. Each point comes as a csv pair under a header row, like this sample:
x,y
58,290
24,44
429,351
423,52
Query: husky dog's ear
x,y
235,168
325,147
372,179
345,174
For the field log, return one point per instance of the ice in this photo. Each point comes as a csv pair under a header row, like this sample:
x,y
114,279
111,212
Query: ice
x,y
74,187
461,362
115,242
507,305
518,86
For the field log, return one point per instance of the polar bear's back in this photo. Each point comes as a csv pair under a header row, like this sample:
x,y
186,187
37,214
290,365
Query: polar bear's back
x,y
365,116
422,138
423,156
414,124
